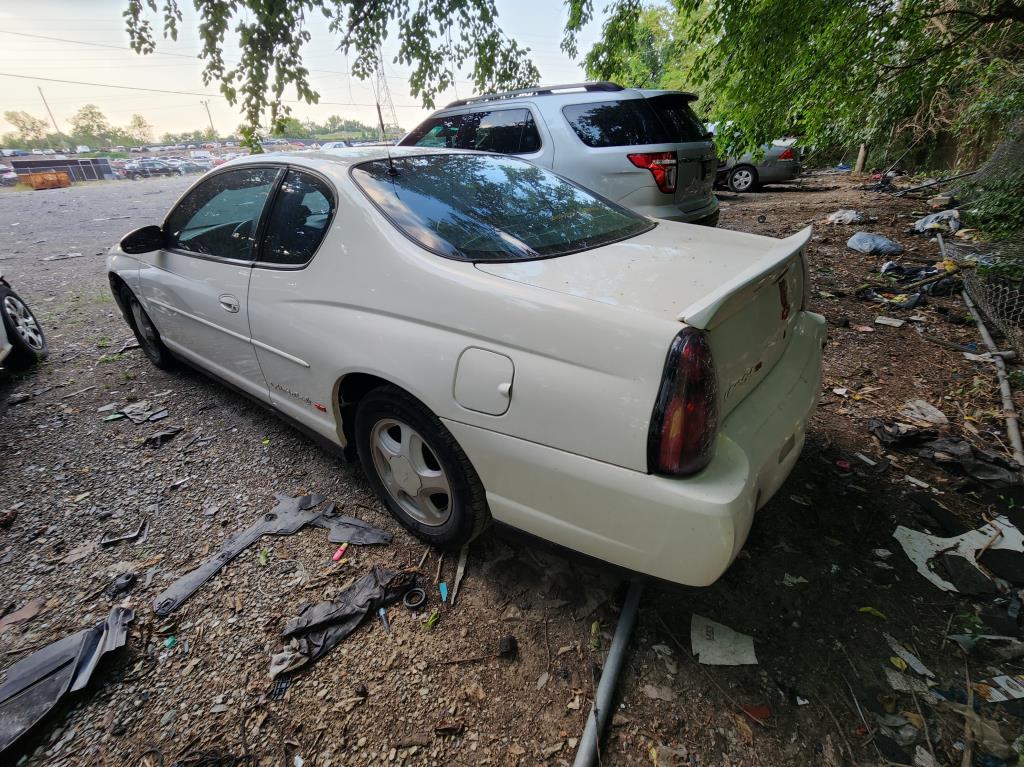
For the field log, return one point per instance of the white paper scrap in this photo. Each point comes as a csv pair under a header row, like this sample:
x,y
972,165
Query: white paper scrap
x,y
718,645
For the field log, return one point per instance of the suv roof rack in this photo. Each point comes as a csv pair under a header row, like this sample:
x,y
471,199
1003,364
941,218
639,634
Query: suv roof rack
x,y
537,90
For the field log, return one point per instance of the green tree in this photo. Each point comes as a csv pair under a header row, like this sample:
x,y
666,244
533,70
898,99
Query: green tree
x,y
28,129
435,38
90,126
839,72
139,130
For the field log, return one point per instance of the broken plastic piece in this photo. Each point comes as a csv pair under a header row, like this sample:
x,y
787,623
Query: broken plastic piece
x,y
35,684
443,588
287,517
110,539
320,627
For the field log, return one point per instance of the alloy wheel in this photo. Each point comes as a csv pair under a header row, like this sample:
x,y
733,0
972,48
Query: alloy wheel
x,y
24,323
410,472
742,179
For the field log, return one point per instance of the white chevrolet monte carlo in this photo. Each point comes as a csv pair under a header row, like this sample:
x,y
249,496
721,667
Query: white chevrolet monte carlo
x,y
495,341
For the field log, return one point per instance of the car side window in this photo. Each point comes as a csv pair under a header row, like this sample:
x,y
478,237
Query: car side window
x,y
220,216
506,131
298,220
435,132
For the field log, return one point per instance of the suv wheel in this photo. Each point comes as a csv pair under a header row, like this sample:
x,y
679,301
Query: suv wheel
x,y
418,470
743,178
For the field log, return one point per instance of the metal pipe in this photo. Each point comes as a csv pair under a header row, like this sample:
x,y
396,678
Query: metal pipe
x,y
1009,411
942,180
598,717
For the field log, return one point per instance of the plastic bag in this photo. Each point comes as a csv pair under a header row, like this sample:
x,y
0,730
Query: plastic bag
x,y
874,244
944,221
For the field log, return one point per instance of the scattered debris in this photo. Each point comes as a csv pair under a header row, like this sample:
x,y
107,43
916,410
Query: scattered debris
x,y
460,572
160,438
892,322
22,614
919,410
287,517
907,657
320,627
946,221
922,548
35,684
140,533
847,216
659,692
120,584
716,645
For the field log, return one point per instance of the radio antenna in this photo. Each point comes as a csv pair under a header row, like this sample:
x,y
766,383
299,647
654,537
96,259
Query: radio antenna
x,y
387,146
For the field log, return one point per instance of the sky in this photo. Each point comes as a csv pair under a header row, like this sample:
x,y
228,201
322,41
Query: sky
x,y
536,24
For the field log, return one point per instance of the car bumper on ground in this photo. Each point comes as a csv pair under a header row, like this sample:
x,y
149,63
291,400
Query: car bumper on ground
x,y
683,530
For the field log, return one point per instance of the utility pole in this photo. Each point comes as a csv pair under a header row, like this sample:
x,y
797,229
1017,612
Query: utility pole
x,y
206,104
49,112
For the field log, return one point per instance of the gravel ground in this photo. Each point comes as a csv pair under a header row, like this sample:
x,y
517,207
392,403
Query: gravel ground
x,y
69,477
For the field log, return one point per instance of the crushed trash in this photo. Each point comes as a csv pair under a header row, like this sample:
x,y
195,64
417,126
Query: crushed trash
x,y
120,584
999,689
874,244
908,657
946,221
36,683
716,645
847,216
22,614
138,412
793,580
319,627
922,549
892,322
160,438
919,410
287,517
140,533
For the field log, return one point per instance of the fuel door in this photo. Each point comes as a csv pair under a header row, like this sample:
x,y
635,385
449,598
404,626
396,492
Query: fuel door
x,y
483,381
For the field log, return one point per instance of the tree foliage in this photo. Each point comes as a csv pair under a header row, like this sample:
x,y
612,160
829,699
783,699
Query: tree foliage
x,y
27,127
838,72
435,39
139,129
90,126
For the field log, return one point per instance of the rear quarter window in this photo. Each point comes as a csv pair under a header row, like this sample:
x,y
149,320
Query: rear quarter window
x,y
627,122
681,124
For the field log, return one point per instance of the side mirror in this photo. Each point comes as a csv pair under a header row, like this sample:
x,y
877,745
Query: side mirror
x,y
144,240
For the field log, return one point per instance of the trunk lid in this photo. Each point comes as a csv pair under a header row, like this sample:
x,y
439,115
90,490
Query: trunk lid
x,y
743,289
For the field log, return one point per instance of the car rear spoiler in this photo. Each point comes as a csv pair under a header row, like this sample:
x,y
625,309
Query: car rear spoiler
x,y
717,305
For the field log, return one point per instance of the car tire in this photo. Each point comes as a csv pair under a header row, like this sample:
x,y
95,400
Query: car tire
x,y
26,336
145,331
405,452
743,178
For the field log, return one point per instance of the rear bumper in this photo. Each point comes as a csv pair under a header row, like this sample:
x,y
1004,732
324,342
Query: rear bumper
x,y
780,171
706,214
683,530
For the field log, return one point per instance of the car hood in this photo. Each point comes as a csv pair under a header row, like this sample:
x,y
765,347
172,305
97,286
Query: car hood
x,y
678,271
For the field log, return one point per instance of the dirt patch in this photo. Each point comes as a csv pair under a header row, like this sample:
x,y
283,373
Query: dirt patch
x,y
72,476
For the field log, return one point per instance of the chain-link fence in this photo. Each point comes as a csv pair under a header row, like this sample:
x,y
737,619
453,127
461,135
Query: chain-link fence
x,y
997,283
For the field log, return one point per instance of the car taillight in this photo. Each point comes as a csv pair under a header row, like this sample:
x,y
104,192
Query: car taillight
x,y
787,154
685,419
662,165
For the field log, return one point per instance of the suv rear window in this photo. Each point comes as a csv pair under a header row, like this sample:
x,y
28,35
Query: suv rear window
x,y
626,122
491,207
508,131
682,125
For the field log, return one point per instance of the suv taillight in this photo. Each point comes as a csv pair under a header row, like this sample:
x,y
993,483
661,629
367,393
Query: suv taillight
x,y
662,165
685,419
787,154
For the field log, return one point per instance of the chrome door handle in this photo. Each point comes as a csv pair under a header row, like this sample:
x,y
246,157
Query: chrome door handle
x,y
228,303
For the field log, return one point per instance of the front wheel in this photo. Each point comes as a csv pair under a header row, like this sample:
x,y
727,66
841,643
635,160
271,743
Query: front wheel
x,y
145,332
23,330
742,178
418,470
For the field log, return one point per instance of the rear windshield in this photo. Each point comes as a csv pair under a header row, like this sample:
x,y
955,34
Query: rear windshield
x,y
682,125
626,122
665,119
491,207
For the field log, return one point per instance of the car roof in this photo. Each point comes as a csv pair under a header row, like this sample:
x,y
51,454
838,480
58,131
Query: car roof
x,y
571,93
339,160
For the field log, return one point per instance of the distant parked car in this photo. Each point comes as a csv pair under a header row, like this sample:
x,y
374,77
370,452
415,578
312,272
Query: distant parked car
x,y
644,149
335,145
7,176
37,151
779,163
145,168
495,341
22,341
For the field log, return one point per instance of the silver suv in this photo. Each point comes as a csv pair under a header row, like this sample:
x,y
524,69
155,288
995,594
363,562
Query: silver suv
x,y
644,149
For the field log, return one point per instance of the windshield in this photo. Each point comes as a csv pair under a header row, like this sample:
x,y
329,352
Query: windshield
x,y
492,208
